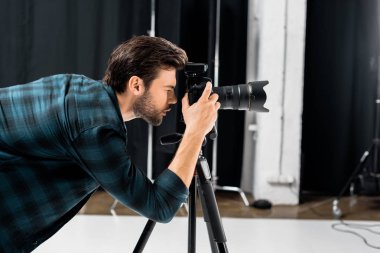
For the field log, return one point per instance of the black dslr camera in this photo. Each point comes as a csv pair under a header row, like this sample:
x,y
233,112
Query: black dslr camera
x,y
249,96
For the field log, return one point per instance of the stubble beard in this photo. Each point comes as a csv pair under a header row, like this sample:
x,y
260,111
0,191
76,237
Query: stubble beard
x,y
143,108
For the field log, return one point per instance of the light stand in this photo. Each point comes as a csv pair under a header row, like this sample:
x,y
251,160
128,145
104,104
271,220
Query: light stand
x,y
372,171
201,183
337,212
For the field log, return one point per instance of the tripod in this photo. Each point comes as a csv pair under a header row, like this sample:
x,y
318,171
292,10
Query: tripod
x,y
202,183
371,182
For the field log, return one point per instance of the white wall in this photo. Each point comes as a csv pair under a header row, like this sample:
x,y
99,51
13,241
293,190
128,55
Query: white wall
x,y
276,42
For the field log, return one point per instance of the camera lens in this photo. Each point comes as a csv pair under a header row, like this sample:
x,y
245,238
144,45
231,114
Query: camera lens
x,y
249,96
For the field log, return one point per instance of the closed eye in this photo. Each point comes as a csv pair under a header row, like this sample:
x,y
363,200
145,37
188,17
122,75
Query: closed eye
x,y
170,88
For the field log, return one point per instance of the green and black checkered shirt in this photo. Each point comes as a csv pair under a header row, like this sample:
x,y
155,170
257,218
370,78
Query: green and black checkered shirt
x,y
61,137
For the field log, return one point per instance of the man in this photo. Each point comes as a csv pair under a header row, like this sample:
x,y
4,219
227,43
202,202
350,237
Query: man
x,y
63,136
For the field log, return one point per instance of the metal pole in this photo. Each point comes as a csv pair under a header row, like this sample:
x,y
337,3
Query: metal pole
x,y
216,84
152,33
377,109
149,169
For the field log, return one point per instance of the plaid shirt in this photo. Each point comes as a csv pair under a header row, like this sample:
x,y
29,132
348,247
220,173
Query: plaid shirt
x,y
61,137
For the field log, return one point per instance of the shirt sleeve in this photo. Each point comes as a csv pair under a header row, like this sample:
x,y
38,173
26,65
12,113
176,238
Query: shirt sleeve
x,y
102,152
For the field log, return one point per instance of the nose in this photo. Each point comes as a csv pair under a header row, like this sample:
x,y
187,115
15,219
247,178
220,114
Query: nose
x,y
172,99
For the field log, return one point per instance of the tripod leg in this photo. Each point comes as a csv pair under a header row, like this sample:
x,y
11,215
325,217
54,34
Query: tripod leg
x,y
212,219
357,170
335,206
210,208
191,240
144,236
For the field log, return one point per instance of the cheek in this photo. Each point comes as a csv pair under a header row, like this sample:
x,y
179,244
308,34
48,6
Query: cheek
x,y
160,99
164,97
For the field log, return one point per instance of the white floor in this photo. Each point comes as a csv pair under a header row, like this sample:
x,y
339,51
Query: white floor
x,y
98,234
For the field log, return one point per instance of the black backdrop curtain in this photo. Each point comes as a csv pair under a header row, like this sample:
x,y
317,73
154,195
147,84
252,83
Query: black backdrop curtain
x,y
44,37
341,68
197,38
232,71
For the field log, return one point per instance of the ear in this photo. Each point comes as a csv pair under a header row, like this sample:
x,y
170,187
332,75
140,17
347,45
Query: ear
x,y
136,85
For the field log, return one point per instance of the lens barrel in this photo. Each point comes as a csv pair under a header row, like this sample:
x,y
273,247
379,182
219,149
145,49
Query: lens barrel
x,y
249,96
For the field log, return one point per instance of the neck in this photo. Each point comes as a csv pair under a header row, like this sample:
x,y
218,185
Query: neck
x,y
126,106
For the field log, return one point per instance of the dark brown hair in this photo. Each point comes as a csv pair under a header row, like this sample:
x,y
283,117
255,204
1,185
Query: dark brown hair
x,y
142,56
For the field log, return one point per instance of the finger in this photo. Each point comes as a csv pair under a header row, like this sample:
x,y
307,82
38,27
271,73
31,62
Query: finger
x,y
207,91
185,101
213,98
217,105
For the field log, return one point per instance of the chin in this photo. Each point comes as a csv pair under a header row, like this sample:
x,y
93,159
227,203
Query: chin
x,y
156,122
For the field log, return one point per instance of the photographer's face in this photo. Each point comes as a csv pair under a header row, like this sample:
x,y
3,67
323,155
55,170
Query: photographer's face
x,y
153,105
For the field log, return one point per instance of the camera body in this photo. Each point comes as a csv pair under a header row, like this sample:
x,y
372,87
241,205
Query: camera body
x,y
249,96
195,82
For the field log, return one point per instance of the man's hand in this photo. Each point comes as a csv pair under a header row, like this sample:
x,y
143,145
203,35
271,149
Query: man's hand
x,y
200,117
